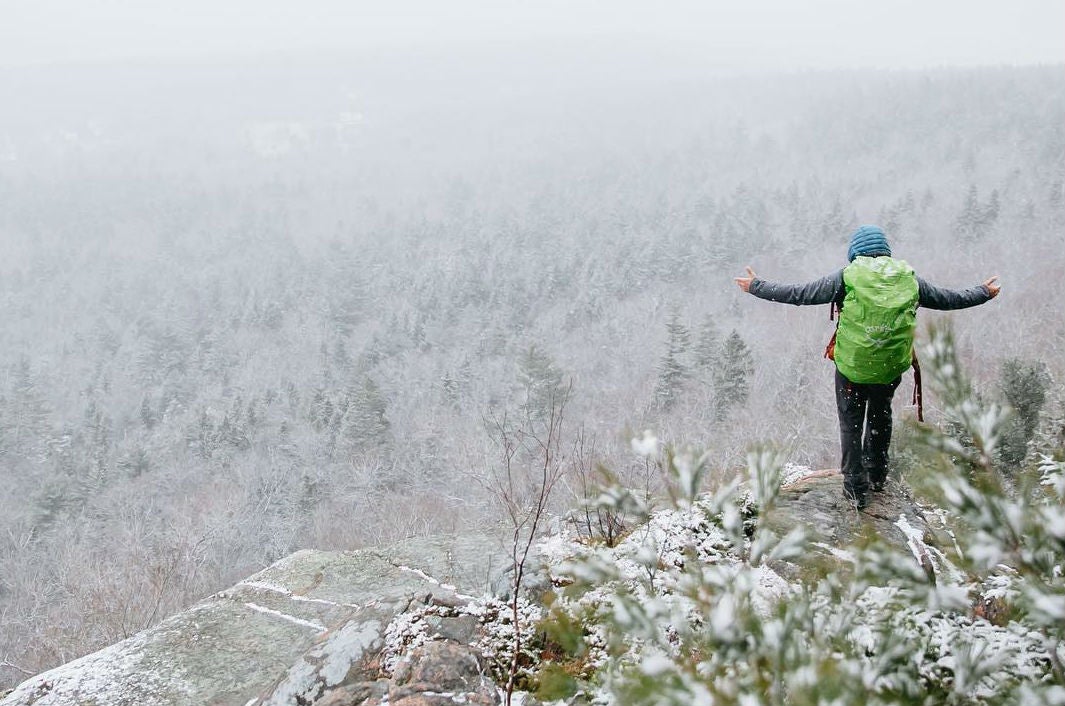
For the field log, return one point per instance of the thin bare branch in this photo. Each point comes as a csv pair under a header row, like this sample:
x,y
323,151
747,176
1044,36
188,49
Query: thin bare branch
x,y
12,665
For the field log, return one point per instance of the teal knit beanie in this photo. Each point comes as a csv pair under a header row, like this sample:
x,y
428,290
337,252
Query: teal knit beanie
x,y
868,240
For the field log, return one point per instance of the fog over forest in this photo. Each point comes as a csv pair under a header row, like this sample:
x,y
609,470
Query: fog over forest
x,y
255,306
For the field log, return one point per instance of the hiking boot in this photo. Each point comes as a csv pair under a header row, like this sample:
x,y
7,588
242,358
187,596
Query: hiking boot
x,y
878,482
859,500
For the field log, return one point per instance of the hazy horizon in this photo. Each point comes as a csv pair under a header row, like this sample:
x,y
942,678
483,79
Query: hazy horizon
x,y
766,35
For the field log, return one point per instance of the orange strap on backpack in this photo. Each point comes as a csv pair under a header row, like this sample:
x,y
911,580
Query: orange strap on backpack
x,y
830,349
918,391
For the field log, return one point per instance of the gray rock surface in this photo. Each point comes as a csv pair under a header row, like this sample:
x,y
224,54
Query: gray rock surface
x,y
817,501
442,668
305,624
310,629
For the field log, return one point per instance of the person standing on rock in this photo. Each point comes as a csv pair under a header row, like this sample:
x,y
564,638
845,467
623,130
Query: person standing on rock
x,y
877,298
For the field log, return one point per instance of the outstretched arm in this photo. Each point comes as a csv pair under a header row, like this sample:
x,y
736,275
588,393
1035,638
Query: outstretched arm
x,y
933,297
821,291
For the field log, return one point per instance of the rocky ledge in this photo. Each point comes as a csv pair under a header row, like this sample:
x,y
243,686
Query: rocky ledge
x,y
306,630
414,624
816,498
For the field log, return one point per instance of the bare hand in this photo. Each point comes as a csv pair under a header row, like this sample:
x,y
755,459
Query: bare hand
x,y
993,286
744,283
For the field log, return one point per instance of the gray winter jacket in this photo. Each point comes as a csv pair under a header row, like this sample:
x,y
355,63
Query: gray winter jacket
x,y
830,289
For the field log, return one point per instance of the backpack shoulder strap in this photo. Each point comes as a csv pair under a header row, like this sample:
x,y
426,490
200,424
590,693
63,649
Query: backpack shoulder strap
x,y
918,391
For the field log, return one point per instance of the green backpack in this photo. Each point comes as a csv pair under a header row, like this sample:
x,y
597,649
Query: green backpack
x,y
874,338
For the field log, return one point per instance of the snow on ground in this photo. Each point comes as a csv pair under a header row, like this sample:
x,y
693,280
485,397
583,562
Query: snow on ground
x,y
793,473
412,629
102,675
648,563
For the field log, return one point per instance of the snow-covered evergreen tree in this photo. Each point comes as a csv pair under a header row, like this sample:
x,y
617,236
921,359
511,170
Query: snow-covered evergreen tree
x,y
364,425
735,366
1024,385
541,382
673,370
708,345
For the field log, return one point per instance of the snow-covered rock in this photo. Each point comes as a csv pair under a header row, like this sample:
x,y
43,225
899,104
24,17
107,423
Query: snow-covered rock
x,y
294,629
815,499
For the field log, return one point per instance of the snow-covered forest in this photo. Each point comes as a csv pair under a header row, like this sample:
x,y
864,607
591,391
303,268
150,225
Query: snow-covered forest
x,y
250,308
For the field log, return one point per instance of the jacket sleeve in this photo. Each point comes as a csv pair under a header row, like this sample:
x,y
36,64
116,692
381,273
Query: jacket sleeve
x,y
933,297
822,291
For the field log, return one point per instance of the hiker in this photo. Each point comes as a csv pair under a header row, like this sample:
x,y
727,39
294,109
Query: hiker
x,y
877,298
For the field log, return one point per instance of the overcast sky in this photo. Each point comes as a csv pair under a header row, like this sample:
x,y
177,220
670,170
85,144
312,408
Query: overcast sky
x,y
740,33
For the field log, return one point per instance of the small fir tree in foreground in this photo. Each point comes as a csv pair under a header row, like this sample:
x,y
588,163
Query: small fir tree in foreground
x,y
693,607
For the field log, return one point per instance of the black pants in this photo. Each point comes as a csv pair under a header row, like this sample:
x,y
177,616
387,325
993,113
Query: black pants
x,y
865,456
